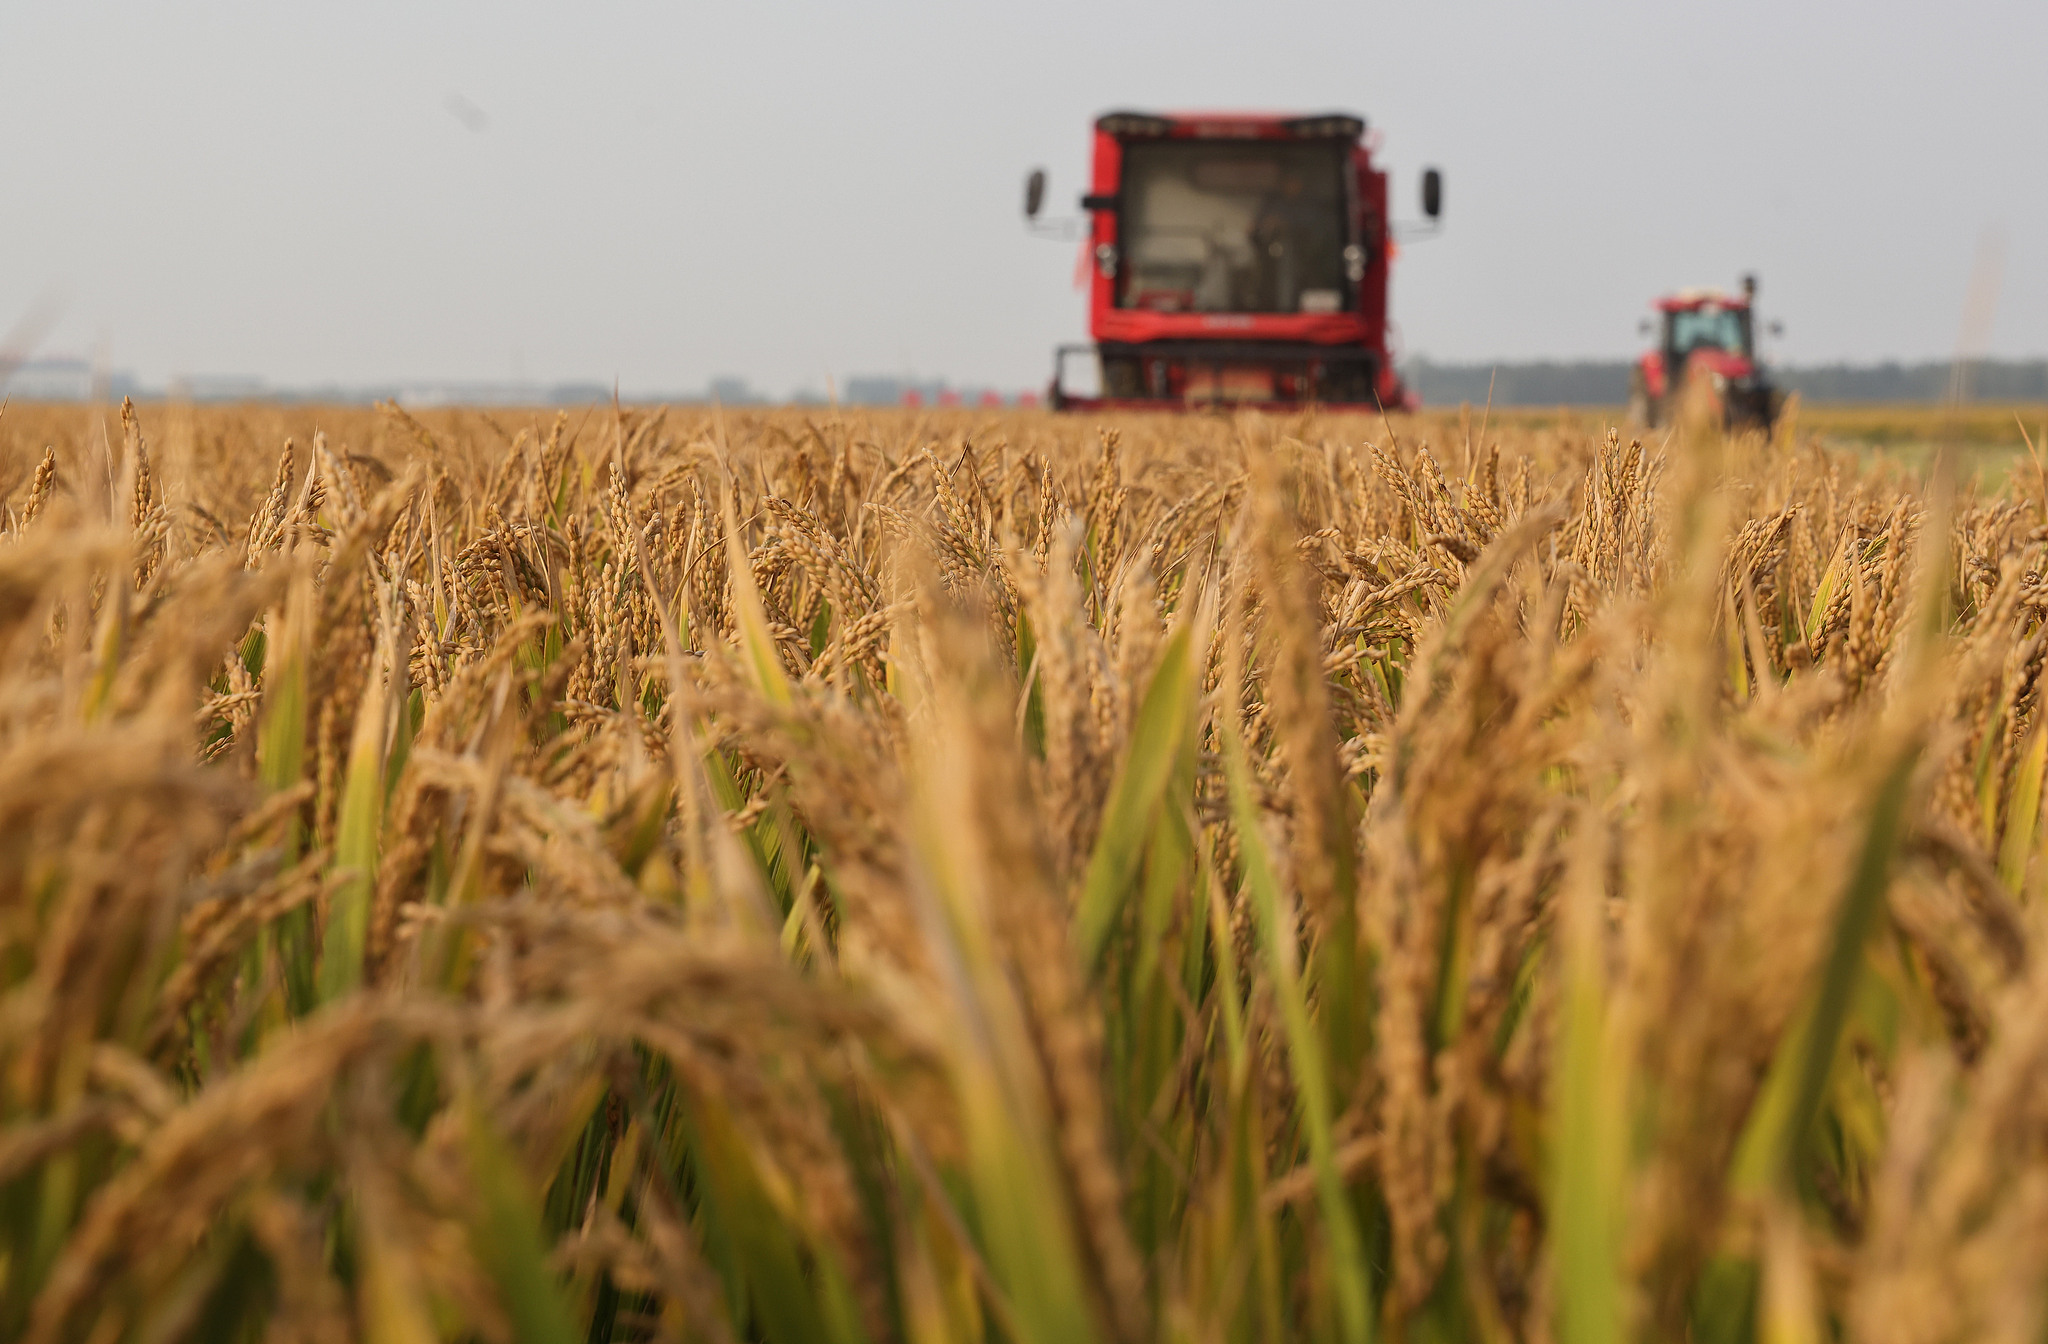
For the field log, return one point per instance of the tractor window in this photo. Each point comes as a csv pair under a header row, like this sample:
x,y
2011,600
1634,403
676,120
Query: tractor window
x,y
1710,328
1245,227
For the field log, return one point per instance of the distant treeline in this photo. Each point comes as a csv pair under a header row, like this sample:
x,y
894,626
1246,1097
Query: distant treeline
x,y
1605,383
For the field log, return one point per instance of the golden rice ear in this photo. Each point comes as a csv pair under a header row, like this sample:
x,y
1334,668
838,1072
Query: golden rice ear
x,y
1026,1058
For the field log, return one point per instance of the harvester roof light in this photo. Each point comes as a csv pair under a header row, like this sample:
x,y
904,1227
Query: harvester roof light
x,y
1338,126
1133,124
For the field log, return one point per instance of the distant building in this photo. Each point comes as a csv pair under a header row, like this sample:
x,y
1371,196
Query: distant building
x,y
876,390
472,394
49,380
729,391
220,387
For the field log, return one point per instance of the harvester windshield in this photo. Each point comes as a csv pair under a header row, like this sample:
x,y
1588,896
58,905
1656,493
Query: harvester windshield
x,y
1245,227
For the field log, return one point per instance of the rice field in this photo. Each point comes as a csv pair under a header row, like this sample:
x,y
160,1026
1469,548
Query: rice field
x,y
960,877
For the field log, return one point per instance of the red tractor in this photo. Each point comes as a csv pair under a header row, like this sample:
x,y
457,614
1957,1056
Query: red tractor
x,y
1235,258
1706,339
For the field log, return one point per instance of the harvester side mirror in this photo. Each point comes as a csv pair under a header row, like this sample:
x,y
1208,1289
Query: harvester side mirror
x,y
1645,327
1777,328
1034,193
1432,192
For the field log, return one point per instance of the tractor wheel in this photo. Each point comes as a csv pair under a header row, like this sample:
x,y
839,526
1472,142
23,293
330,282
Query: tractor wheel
x,y
1770,403
1749,408
1642,409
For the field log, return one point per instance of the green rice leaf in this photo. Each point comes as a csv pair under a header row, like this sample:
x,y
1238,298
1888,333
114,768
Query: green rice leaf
x,y
1134,798
505,1233
2023,814
1785,1111
1277,926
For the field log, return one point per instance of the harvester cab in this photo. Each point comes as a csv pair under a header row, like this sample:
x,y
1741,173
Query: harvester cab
x,y
1706,340
1236,259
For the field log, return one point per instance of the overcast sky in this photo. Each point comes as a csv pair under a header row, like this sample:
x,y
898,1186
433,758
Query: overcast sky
x,y
662,193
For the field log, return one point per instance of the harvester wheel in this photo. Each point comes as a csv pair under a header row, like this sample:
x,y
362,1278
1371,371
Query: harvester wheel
x,y
1122,378
1347,383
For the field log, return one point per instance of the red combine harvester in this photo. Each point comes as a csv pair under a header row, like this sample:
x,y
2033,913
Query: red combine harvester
x,y
1706,338
1235,258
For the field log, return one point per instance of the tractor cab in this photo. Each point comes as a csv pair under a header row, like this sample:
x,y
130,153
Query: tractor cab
x,y
1706,337
1713,325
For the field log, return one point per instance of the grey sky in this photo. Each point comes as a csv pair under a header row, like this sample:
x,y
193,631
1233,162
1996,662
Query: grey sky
x,y
663,193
